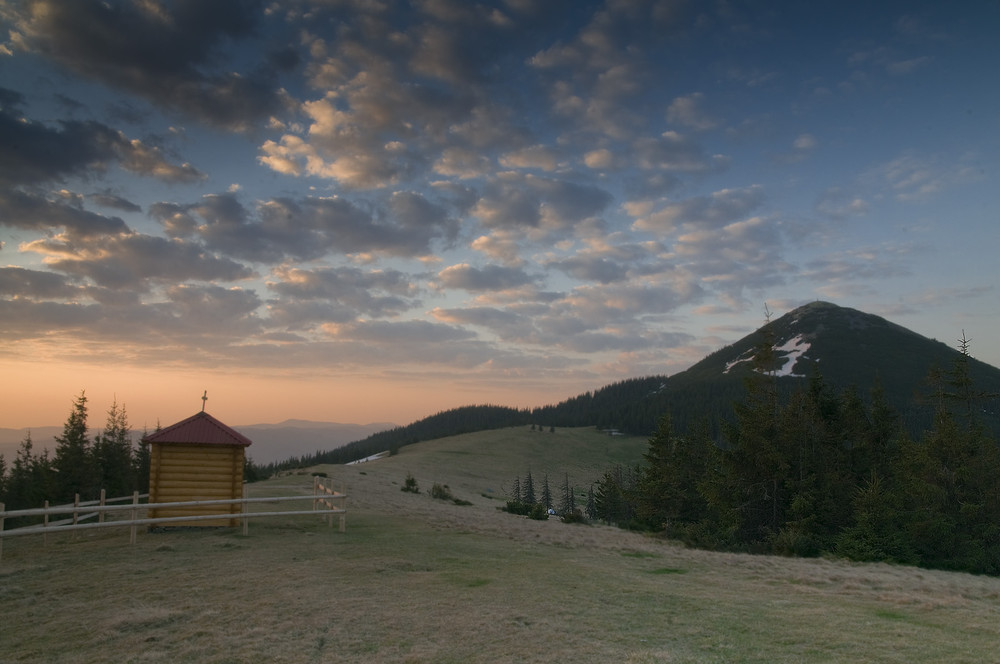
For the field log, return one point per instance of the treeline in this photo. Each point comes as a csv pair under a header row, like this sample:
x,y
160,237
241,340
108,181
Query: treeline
x,y
111,461
818,472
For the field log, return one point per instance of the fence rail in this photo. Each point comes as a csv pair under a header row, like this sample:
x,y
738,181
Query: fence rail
x,y
324,494
324,498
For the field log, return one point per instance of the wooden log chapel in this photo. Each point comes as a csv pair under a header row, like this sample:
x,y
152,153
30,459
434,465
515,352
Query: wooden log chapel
x,y
199,458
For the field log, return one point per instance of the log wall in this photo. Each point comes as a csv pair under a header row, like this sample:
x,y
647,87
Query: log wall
x,y
179,472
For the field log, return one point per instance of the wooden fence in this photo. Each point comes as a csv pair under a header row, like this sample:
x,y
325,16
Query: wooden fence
x,y
324,495
326,501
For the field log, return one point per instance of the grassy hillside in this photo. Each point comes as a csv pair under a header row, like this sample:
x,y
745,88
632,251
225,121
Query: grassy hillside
x,y
488,461
416,579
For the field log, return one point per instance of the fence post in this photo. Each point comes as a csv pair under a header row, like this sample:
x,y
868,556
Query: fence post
x,y
246,519
2,507
100,515
328,490
133,514
45,524
76,515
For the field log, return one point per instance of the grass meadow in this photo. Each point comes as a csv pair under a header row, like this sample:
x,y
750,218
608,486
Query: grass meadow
x,y
416,579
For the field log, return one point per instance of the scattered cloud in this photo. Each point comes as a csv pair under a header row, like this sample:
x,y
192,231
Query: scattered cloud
x,y
688,111
488,278
484,191
163,53
716,210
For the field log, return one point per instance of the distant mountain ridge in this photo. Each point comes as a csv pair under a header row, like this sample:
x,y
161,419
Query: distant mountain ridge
x,y
293,438
846,346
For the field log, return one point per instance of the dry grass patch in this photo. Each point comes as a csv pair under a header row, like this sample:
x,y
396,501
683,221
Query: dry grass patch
x,y
421,580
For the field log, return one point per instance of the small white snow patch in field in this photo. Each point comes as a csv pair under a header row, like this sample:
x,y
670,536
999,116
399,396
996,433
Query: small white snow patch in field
x,y
373,457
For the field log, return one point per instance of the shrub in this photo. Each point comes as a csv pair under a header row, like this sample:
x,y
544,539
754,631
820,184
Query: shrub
x,y
410,485
538,512
792,541
517,507
441,492
576,516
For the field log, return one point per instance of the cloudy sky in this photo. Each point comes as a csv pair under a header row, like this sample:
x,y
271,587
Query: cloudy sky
x,y
373,210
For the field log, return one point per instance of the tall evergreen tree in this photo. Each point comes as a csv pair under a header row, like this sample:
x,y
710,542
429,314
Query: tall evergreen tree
x,y
591,507
668,496
567,502
140,465
529,490
877,533
112,454
546,493
73,461
614,496
754,469
30,479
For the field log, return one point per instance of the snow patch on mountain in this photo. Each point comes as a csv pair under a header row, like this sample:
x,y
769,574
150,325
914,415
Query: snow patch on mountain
x,y
745,357
788,353
794,348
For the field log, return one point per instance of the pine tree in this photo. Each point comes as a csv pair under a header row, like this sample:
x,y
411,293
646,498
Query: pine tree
x,y
962,399
546,494
112,453
668,496
591,508
876,534
614,498
567,503
73,461
529,490
140,465
754,469
30,477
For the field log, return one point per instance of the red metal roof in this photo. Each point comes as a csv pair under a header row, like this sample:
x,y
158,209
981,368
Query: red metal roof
x,y
199,429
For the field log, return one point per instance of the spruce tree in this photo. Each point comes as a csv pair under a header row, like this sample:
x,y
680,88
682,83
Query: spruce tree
x,y
140,465
567,503
29,482
591,507
615,495
546,493
73,462
754,469
112,453
668,495
529,490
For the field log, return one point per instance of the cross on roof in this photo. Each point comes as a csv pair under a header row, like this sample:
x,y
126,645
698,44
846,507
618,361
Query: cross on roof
x,y
204,398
